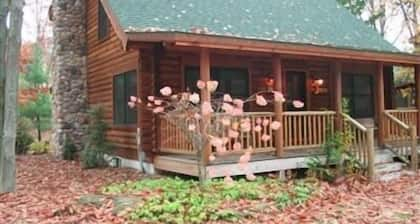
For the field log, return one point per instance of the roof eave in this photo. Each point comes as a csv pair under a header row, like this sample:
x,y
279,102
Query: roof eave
x,y
235,43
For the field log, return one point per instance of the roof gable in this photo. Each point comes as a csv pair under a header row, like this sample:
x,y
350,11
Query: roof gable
x,y
321,22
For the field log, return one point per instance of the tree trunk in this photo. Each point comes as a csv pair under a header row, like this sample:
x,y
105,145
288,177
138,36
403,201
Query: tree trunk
x,y
11,58
38,124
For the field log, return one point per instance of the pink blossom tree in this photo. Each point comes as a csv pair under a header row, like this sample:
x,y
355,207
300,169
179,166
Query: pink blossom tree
x,y
205,122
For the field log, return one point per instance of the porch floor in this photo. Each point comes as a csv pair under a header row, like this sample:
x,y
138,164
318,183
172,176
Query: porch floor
x,y
228,165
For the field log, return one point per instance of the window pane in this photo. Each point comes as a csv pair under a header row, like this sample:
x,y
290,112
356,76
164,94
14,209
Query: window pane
x,y
191,78
131,87
119,100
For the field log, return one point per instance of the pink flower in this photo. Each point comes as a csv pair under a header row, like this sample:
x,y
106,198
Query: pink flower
x,y
258,128
197,116
258,121
166,91
275,125
237,146
158,102
158,110
261,101
194,98
265,122
226,121
228,180
151,98
237,112
212,158
235,125
251,177
227,108
206,108
245,158
239,103
201,85
245,126
227,98
278,97
212,85
233,134
131,105
266,138
216,142
133,99
298,104
174,97
191,127
149,105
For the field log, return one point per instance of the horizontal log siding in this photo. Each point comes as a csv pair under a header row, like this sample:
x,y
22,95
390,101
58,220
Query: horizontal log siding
x,y
106,59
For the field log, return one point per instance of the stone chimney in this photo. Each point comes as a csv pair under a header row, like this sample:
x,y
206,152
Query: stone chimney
x,y
69,73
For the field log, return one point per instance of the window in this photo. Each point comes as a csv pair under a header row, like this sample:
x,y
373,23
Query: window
x,y
358,89
103,22
231,80
125,85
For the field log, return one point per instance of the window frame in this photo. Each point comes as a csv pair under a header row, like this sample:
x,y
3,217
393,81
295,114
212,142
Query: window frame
x,y
103,23
127,81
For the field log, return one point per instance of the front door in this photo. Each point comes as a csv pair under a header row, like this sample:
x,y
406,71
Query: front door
x,y
296,89
358,92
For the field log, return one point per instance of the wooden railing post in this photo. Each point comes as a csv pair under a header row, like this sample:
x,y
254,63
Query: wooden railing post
x,y
380,99
278,106
338,95
414,153
417,78
371,154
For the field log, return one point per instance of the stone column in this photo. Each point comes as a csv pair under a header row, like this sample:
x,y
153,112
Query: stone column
x,y
69,73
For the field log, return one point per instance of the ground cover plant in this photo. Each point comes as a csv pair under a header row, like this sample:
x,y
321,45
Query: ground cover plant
x,y
174,200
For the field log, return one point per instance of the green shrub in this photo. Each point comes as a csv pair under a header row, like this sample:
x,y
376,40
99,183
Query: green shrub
x,y
38,148
23,136
70,150
174,200
97,145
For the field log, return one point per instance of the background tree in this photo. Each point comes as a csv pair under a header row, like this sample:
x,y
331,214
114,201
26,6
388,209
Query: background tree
x,y
11,16
38,109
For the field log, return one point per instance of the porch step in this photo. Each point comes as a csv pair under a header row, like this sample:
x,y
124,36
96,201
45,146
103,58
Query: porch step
x,y
388,177
385,167
384,156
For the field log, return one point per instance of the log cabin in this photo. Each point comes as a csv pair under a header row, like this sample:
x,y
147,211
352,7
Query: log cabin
x,y
313,51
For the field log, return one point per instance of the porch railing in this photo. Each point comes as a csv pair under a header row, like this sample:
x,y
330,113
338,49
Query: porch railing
x,y
401,137
252,139
172,139
306,129
407,116
361,143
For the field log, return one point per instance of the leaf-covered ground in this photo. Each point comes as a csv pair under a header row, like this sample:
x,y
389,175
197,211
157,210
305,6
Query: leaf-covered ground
x,y
48,191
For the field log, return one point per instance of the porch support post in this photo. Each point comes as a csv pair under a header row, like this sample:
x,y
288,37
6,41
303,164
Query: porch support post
x,y
417,74
205,96
278,106
380,99
338,107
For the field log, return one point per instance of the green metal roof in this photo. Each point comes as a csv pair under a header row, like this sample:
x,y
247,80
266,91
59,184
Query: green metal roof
x,y
316,22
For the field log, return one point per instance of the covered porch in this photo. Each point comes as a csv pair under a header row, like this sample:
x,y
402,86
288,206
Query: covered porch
x,y
321,83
